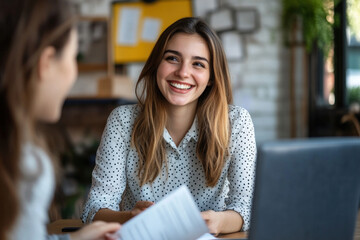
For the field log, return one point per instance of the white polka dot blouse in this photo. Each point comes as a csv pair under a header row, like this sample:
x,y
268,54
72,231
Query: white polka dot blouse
x,y
114,178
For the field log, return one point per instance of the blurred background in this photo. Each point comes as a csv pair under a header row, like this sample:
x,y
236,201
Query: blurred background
x,y
295,66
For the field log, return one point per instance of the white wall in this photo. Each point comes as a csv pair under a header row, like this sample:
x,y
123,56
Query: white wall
x,y
261,79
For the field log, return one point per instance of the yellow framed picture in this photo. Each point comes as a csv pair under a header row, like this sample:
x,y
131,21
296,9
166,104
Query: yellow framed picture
x,y
135,26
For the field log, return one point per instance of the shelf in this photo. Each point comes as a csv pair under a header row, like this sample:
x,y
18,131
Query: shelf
x,y
94,18
93,44
90,67
97,100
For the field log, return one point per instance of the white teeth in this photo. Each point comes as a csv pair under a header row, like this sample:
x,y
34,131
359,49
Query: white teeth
x,y
180,86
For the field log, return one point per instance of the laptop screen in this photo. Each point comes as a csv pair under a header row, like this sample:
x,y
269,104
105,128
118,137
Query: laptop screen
x,y
306,189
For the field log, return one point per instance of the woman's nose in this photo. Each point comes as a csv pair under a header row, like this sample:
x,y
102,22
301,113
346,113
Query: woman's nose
x,y
183,71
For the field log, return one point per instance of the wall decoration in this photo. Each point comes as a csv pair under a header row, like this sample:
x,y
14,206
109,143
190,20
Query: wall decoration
x,y
232,24
247,20
233,44
135,26
202,7
222,19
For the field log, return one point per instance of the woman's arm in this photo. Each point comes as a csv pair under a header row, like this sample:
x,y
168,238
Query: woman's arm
x,y
108,215
241,175
222,222
95,231
241,171
109,174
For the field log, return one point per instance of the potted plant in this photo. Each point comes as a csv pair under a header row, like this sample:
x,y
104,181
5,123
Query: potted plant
x,y
305,23
315,18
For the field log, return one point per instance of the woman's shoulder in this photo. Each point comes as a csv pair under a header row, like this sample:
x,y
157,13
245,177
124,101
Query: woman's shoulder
x,y
240,119
127,109
125,113
33,158
122,118
236,112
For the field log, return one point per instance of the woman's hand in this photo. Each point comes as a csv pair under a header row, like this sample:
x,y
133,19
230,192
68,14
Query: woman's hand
x,y
98,230
213,221
140,206
227,221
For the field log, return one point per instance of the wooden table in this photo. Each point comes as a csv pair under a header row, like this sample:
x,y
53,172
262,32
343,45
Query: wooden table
x,y
58,225
55,228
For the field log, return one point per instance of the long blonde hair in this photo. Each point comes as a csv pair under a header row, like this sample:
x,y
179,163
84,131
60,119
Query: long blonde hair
x,y
212,108
27,27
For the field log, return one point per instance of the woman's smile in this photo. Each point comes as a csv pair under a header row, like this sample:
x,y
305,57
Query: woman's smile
x,y
175,85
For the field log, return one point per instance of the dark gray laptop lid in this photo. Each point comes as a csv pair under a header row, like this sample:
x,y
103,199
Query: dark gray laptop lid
x,y
306,189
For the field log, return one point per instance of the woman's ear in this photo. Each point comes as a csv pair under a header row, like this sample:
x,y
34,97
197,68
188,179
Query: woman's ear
x,y
46,62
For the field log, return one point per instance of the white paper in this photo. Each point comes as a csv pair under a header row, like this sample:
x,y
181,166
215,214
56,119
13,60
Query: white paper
x,y
175,217
207,236
151,29
128,22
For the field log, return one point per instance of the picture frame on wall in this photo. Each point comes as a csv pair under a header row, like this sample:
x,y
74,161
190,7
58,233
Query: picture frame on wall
x,y
201,8
222,19
234,45
247,20
135,26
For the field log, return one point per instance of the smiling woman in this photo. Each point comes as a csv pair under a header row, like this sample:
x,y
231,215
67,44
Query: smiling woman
x,y
183,73
182,131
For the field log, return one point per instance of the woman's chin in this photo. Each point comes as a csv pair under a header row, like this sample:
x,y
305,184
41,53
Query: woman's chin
x,y
50,118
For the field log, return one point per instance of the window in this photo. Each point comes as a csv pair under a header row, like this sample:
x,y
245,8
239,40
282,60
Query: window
x,y
328,79
352,49
335,81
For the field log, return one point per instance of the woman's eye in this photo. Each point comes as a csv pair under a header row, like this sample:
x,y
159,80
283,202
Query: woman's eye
x,y
171,58
199,64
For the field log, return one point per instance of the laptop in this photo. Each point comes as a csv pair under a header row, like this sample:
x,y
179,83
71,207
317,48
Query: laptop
x,y
306,189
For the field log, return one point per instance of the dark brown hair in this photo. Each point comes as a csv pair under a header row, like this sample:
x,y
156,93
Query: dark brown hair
x,y
212,108
27,27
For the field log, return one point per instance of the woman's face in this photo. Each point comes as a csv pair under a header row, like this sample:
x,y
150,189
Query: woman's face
x,y
57,75
184,71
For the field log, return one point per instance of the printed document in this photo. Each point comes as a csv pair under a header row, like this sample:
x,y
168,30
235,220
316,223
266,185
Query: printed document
x,y
175,217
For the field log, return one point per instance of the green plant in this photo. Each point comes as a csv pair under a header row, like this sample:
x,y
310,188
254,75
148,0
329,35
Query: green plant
x,y
78,162
353,17
317,20
354,95
82,158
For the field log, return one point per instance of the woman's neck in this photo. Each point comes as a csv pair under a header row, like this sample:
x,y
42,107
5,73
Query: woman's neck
x,y
179,121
